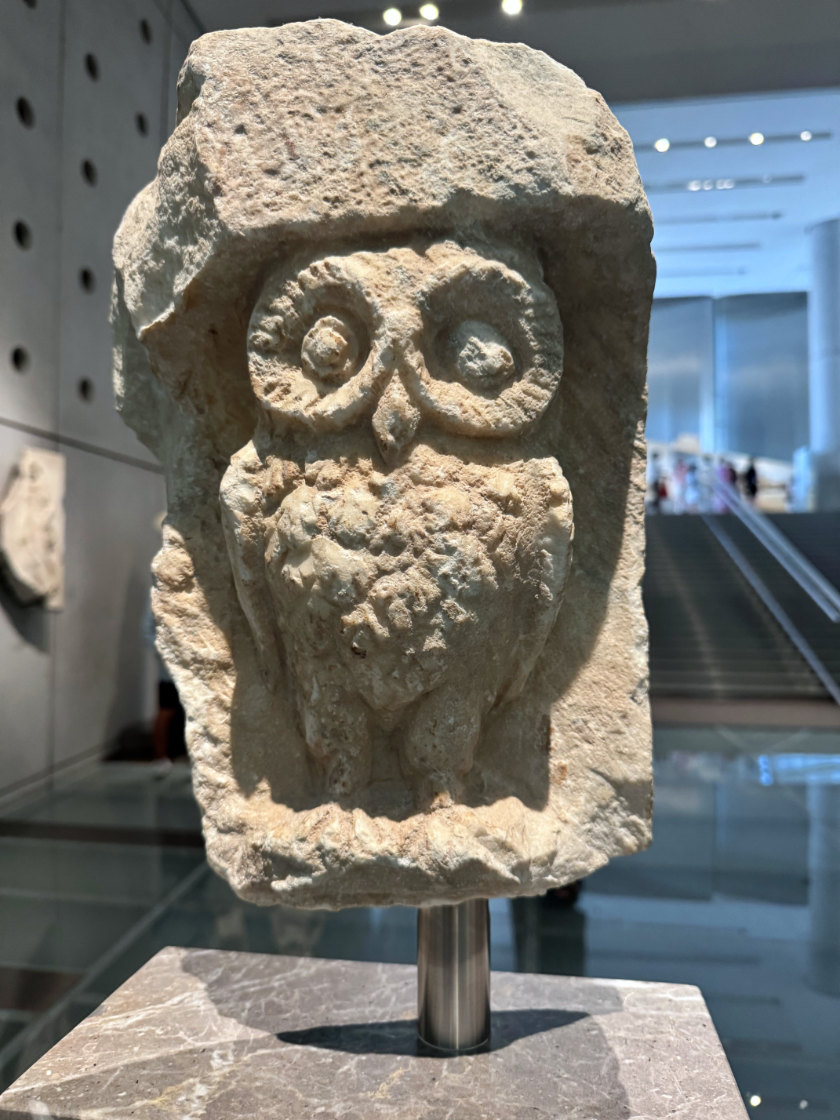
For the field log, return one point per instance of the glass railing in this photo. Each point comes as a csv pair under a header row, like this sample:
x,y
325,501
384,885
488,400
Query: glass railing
x,y
798,567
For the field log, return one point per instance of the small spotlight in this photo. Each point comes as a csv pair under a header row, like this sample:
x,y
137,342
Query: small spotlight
x,y
806,135
803,1105
708,184
695,185
710,141
512,7
756,138
755,1100
392,16
429,12
725,184
662,145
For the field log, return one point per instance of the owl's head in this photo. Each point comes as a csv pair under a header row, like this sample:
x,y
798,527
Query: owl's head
x,y
465,338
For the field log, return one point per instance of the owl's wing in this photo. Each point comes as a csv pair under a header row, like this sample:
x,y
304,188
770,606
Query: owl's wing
x,y
545,554
240,498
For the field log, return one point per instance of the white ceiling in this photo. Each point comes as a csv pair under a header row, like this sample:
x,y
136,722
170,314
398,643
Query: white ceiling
x,y
725,240
630,50
651,58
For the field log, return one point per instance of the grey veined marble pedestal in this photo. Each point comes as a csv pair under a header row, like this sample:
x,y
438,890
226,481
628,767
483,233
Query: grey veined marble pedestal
x,y
210,1035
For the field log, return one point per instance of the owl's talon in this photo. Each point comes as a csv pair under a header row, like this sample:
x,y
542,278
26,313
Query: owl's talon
x,y
340,779
438,791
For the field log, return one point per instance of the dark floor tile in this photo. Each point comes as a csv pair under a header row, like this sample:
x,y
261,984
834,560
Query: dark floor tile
x,y
101,834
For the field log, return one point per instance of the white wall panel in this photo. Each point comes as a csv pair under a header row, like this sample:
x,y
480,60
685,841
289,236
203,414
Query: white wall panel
x,y
184,30
761,375
30,78
681,368
25,662
115,71
104,671
97,79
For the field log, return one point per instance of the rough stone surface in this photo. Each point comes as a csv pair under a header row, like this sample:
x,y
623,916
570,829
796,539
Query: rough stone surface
x,y
383,317
32,528
203,1033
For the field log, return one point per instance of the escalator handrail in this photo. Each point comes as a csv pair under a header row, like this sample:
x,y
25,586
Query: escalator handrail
x,y
813,582
781,616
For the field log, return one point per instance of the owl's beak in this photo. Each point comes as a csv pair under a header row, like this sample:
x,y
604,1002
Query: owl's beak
x,y
395,420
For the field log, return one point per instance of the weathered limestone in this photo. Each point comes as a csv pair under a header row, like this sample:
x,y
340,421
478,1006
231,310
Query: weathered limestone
x,y
32,529
382,316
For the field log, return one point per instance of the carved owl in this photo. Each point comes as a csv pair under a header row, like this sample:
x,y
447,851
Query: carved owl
x,y
399,535
337,315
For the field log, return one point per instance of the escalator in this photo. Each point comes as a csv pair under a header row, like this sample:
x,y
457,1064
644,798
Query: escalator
x,y
817,536
711,635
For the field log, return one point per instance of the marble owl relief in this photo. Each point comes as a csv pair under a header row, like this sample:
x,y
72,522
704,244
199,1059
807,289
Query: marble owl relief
x,y
382,316
406,530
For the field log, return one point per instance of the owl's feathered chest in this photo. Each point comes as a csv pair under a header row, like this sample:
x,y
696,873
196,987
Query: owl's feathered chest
x,y
394,577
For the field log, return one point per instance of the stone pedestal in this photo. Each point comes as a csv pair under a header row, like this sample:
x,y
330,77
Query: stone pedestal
x,y
208,1034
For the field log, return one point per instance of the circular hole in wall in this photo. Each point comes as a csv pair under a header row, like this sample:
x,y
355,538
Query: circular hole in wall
x,y
92,67
89,173
87,279
25,112
145,31
23,234
142,124
85,388
20,359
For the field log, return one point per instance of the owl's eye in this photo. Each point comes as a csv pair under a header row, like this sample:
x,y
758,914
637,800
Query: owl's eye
x,y
482,355
330,349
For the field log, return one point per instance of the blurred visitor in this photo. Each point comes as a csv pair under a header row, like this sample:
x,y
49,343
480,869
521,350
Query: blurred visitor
x,y
706,482
169,741
727,476
751,481
653,484
663,489
691,489
678,478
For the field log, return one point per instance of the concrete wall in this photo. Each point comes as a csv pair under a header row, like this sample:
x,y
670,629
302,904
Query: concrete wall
x,y
86,99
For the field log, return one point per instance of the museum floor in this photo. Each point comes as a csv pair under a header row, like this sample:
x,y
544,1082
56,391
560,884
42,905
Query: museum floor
x,y
739,894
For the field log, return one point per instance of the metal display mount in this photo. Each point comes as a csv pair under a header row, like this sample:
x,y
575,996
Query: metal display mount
x,y
453,977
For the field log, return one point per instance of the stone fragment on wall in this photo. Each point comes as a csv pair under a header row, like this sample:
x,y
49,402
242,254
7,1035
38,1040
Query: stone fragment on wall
x,y
32,528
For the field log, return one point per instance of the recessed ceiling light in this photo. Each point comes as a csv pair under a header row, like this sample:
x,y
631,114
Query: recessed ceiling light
x,y
756,138
710,141
662,145
725,184
429,12
512,7
755,1100
695,185
392,16
806,135
708,184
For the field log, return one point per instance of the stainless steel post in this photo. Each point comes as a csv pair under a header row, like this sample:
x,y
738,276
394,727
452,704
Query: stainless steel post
x,y
453,976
